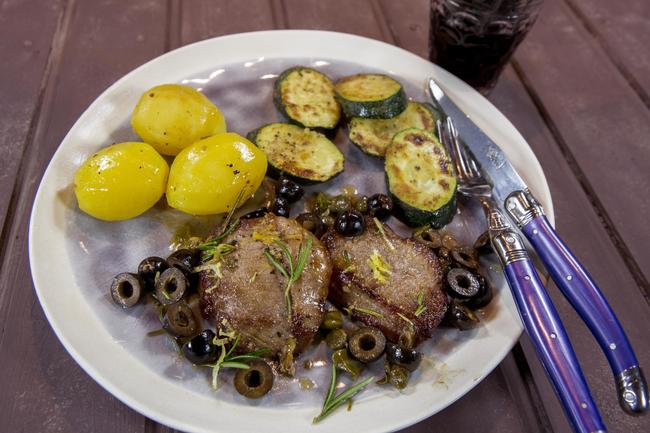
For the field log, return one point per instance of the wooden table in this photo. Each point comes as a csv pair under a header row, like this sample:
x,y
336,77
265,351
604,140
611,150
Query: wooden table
x,y
578,89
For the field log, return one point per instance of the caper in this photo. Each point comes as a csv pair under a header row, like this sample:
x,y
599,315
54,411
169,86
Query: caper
x,y
360,204
333,319
179,320
408,358
320,203
126,289
465,256
328,220
342,361
336,339
340,204
256,381
396,375
312,222
171,286
367,344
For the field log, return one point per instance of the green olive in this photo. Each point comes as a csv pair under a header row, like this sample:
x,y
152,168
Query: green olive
x,y
337,339
343,362
332,320
367,344
255,381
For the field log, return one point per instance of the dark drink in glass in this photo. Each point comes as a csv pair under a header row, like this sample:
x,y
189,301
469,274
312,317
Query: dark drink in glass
x,y
474,39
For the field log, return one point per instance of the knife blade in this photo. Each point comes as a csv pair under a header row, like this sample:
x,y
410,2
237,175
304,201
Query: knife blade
x,y
511,192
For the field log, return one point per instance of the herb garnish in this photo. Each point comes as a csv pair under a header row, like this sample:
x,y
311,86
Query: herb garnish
x,y
380,268
406,319
421,307
367,311
295,267
211,245
347,262
332,402
380,228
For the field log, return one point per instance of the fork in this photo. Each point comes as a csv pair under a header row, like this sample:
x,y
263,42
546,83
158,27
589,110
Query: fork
x,y
537,312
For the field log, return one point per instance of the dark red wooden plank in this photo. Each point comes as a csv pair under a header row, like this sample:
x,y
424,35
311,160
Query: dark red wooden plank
x,y
42,387
601,124
622,28
25,46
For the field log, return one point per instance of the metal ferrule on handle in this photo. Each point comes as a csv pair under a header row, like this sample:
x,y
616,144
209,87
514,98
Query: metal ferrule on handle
x,y
581,291
544,326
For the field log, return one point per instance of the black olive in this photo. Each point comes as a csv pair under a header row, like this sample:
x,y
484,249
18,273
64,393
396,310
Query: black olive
x,y
180,321
126,289
312,222
185,260
255,381
483,245
367,344
361,204
350,223
148,268
171,286
448,241
484,295
340,204
257,213
461,317
280,207
336,339
290,190
429,236
380,206
462,284
407,358
333,319
201,349
465,257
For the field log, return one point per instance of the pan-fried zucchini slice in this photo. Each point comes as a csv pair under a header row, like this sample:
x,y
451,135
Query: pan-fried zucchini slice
x,y
420,178
374,135
306,97
371,96
298,152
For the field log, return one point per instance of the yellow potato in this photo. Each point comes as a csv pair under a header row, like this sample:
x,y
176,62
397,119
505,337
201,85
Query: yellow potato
x,y
206,177
171,117
121,181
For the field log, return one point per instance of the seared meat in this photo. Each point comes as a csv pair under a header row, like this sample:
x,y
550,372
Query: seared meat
x,y
379,279
249,295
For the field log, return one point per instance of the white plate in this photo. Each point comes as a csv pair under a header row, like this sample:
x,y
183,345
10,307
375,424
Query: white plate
x,y
71,274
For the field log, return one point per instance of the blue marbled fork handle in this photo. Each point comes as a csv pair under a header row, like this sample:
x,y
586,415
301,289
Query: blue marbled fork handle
x,y
585,297
547,334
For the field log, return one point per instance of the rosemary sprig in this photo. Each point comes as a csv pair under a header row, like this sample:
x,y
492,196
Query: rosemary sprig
x,y
212,243
295,267
367,311
380,228
421,307
226,357
347,262
406,319
332,402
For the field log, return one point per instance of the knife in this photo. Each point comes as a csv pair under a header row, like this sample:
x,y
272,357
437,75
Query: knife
x,y
511,193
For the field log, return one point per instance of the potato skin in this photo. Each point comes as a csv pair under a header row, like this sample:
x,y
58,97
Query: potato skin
x,y
170,117
121,181
206,177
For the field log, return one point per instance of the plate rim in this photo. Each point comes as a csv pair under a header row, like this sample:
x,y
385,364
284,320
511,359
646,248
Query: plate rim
x,y
143,407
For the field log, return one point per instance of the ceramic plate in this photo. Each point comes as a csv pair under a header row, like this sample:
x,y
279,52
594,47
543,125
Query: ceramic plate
x,y
237,72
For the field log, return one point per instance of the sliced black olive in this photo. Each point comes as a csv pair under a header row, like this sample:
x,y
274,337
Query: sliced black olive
x,y
171,286
340,204
312,222
201,348
396,375
367,344
465,257
280,207
350,223
255,381
484,295
429,236
148,268
290,190
184,259
337,339
461,317
180,321
483,245
407,358
462,284
126,289
342,361
333,319
361,204
257,213
380,206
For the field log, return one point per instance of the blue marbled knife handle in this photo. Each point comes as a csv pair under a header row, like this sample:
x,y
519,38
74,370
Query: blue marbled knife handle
x,y
581,291
549,337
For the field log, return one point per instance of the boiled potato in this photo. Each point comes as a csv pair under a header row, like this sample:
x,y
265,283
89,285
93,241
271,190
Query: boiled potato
x,y
171,117
121,181
206,177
